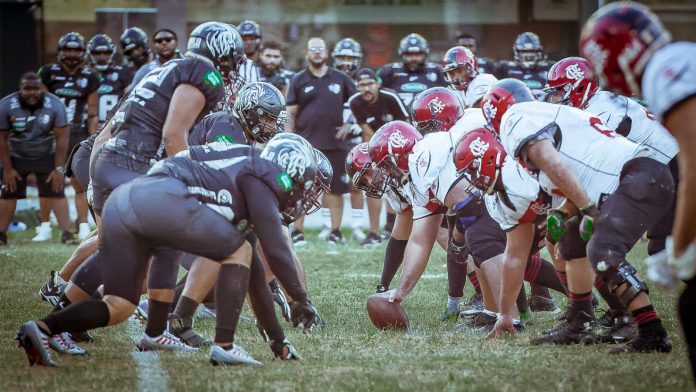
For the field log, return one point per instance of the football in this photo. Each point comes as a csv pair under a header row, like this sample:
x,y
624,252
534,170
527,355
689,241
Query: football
x,y
385,314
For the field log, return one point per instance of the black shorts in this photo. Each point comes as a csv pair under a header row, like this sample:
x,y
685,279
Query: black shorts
x,y
485,239
106,177
340,183
41,168
137,221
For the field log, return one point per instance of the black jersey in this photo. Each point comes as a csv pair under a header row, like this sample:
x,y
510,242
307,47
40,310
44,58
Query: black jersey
x,y
214,175
408,84
73,90
114,81
534,78
218,127
276,78
138,121
388,107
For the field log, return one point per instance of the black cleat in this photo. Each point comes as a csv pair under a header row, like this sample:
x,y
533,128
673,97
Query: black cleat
x,y
68,238
185,333
647,342
475,302
623,330
35,344
565,334
538,303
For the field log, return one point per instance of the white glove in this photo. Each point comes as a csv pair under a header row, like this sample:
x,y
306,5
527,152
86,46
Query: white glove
x,y
661,272
685,265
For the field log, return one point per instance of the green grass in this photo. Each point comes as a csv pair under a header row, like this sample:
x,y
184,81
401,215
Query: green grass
x,y
349,353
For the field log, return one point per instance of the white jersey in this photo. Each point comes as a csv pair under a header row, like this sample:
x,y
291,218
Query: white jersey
x,y
613,109
524,202
476,89
398,199
588,148
670,77
431,164
249,71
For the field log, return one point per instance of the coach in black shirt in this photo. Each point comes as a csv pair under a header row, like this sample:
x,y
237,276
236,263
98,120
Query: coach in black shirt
x,y
374,106
315,111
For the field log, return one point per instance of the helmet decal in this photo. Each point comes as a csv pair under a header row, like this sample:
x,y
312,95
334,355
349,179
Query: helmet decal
x,y
397,140
478,147
293,161
574,72
436,105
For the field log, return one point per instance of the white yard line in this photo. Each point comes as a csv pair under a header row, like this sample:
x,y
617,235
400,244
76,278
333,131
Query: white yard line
x,y
364,275
151,375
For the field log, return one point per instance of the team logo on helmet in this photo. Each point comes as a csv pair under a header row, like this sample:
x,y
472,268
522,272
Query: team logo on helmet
x,y
597,56
363,147
436,105
397,140
249,96
220,42
490,110
478,147
574,72
293,161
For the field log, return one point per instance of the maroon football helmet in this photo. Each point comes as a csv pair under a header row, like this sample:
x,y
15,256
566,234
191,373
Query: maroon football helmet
x,y
363,174
390,146
479,156
571,81
619,40
435,110
456,58
503,94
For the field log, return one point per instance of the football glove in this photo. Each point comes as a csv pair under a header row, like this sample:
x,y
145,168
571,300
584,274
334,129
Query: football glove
x,y
304,315
588,213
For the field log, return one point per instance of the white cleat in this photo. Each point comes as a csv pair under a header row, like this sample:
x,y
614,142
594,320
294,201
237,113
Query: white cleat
x,y
324,233
43,233
166,341
64,344
236,355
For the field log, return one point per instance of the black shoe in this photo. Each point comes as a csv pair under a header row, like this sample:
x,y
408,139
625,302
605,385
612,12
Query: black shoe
x,y
381,289
623,330
371,239
298,239
538,303
3,238
555,329
35,344
475,302
646,342
52,289
185,333
565,334
478,318
335,237
67,238
608,318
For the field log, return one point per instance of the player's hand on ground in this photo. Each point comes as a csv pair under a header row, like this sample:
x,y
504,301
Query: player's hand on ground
x,y
504,324
304,315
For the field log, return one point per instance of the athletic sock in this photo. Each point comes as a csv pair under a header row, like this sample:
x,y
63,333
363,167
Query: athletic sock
x,y
393,257
79,317
456,274
542,273
261,300
610,298
326,217
232,286
474,281
356,218
186,309
453,303
389,225
157,312
647,320
563,277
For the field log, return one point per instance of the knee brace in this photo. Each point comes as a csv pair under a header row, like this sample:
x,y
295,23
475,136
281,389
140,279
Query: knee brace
x,y
626,274
571,245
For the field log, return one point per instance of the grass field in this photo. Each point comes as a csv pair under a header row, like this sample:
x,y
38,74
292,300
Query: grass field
x,y
348,354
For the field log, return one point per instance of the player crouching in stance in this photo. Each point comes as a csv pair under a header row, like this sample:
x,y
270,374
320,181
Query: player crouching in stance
x,y
203,203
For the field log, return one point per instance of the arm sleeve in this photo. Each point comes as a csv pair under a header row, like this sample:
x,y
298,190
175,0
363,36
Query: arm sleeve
x,y
264,215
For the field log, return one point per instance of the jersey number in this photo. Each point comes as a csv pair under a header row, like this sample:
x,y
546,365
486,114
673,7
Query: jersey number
x,y
141,93
69,109
106,103
597,124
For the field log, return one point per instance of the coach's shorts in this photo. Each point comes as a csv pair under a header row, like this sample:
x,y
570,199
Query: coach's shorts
x,y
340,183
41,168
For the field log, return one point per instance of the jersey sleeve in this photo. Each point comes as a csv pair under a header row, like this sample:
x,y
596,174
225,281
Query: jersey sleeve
x,y
61,119
207,79
397,107
670,77
523,124
357,110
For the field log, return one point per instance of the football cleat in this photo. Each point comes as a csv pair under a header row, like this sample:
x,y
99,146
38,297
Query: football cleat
x,y
647,342
140,311
372,239
235,355
324,233
479,318
64,344
206,312
565,334
185,333
298,239
381,289
449,315
538,303
52,289
285,351
67,238
358,234
166,341
608,319
475,302
35,344
3,238
335,237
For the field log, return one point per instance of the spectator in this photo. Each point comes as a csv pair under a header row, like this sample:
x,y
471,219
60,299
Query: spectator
x,y
76,85
33,139
315,111
166,49
269,64
374,106
468,41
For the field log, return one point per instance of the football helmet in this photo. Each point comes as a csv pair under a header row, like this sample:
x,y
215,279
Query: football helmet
x,y
324,173
71,40
455,59
363,174
390,146
527,50
435,110
298,161
619,40
413,44
220,43
132,38
101,43
571,81
479,157
250,29
260,107
503,94
347,55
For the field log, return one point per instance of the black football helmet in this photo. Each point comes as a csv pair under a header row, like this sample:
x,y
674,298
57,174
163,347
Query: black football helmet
x,y
527,50
260,107
132,38
219,43
347,48
249,28
413,44
323,182
71,40
297,159
101,43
